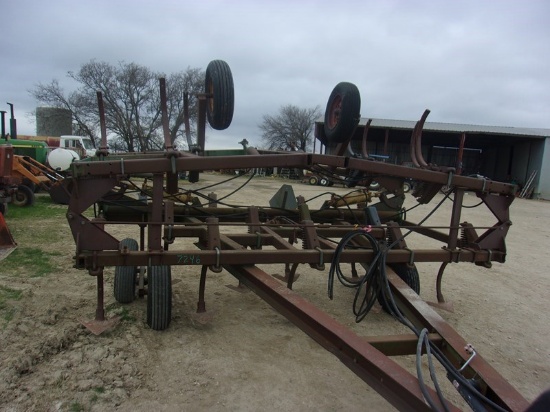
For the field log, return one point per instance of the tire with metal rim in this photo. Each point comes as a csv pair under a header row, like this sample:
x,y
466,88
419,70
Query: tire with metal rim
x,y
125,276
406,187
23,197
159,297
30,185
221,101
343,112
323,181
409,275
313,180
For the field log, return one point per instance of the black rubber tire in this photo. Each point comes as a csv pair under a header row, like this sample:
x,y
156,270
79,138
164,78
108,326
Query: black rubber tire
x,y
219,84
323,181
313,180
30,185
159,297
23,197
409,275
406,187
343,112
125,276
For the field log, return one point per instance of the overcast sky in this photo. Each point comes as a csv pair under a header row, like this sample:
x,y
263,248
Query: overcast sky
x,y
475,62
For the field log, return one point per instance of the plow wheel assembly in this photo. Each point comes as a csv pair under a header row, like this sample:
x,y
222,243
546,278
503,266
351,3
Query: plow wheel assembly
x,y
159,297
125,276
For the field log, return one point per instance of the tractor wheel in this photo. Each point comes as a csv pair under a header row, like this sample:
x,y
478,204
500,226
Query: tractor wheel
x,y
323,181
221,101
23,197
159,297
343,112
313,180
125,276
409,275
30,185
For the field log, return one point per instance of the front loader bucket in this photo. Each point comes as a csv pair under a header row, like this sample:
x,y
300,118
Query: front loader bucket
x,y
7,244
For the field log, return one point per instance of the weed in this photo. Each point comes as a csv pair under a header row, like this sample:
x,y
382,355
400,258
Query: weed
x,y
76,407
125,315
121,311
5,295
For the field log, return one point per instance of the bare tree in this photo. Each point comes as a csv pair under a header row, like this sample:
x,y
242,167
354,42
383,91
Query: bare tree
x,y
132,102
291,129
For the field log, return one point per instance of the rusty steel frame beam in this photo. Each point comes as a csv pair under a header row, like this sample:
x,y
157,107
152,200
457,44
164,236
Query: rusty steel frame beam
x,y
421,314
161,164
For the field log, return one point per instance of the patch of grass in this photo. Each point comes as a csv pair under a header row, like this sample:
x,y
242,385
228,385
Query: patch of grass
x,y
76,407
121,311
99,389
7,294
125,315
29,260
43,207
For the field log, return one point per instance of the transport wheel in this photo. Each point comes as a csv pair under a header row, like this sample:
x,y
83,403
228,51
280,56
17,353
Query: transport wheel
x,y
219,85
343,112
159,297
323,181
406,187
125,276
313,180
409,275
23,197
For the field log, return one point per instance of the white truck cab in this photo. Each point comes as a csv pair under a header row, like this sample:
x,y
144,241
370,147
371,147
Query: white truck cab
x,y
79,144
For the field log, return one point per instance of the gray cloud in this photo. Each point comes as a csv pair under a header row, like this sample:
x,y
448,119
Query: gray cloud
x,y
469,61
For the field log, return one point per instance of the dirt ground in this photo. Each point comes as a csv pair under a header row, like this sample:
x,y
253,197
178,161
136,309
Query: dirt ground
x,y
249,357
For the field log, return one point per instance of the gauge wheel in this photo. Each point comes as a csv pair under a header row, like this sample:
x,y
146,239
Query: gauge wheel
x,y
406,187
125,276
313,180
343,112
218,86
323,181
159,297
409,275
